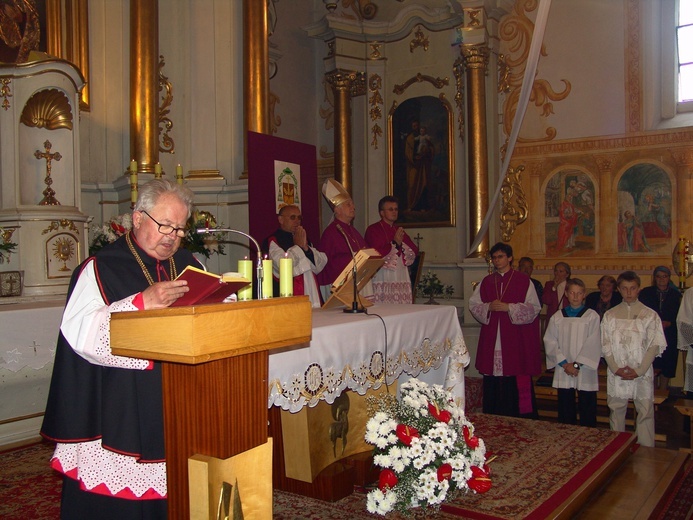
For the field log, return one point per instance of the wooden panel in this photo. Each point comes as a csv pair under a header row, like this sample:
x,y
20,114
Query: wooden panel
x,y
203,333
218,409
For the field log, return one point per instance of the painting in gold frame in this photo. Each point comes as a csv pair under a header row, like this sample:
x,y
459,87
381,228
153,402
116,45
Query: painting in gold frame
x,y
421,173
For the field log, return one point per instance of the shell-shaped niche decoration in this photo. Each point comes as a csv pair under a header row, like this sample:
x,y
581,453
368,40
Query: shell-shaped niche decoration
x,y
48,109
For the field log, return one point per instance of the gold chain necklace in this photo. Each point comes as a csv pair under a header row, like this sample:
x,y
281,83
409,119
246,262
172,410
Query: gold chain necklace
x,y
505,289
171,263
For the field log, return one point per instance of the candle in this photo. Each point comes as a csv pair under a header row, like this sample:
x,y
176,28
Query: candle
x,y
245,268
286,276
133,166
267,285
133,184
179,174
157,171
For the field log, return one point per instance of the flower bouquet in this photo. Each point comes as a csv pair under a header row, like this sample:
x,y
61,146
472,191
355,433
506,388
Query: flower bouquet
x,y
426,448
205,244
109,232
431,286
6,246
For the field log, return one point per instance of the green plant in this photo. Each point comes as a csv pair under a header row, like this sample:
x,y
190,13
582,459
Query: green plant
x,y
431,286
6,247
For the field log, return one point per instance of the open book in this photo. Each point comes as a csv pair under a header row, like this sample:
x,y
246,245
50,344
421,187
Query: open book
x,y
206,287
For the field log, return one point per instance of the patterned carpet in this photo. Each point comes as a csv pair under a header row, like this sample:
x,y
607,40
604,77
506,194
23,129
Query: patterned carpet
x,y
535,468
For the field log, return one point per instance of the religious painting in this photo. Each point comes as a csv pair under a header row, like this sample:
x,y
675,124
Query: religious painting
x,y
569,214
37,25
420,162
287,184
644,210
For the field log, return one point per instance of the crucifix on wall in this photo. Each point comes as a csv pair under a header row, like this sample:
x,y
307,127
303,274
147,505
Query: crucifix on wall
x,y
48,194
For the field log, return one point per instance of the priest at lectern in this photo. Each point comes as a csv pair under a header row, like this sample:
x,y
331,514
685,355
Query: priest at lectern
x,y
105,411
341,240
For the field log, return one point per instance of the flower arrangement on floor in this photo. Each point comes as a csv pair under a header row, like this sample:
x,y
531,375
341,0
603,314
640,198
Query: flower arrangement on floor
x,y
109,232
6,246
426,448
431,286
205,244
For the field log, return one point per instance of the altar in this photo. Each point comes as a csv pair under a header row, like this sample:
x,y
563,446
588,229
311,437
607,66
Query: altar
x,y
316,391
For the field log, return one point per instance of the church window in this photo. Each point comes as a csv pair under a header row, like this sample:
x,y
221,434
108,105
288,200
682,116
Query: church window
x,y
684,54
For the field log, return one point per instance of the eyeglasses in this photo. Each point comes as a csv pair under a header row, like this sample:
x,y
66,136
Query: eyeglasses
x,y
166,229
295,217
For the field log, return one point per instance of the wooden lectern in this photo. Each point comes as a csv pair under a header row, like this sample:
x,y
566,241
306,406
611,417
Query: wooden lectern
x,y
215,372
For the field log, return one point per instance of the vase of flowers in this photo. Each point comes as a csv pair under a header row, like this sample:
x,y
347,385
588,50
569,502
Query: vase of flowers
x,y
431,286
426,449
109,232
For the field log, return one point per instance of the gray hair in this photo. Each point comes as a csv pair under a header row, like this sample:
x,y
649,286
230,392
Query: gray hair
x,y
151,192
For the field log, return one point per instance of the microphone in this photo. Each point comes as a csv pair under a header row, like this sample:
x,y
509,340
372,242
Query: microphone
x,y
259,269
355,303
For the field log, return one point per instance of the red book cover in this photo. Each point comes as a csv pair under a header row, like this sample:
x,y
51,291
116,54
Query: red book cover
x,y
206,287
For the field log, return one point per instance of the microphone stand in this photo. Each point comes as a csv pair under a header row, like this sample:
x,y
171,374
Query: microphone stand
x,y
260,273
354,304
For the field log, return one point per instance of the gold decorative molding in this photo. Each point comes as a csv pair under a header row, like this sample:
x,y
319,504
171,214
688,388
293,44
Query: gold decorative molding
x,y
473,17
420,78
331,48
515,33
503,73
364,9
606,162
49,109
5,92
514,208
375,53
354,82
458,71
167,144
683,157
64,223
375,101
633,70
274,120
327,113
420,40
475,56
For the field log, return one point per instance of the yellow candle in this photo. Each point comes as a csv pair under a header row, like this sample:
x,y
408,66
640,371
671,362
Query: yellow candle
x,y
179,174
157,171
245,267
133,187
286,276
267,288
133,165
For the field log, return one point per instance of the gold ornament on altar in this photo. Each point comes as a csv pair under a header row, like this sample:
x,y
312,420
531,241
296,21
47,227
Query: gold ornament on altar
x,y
48,194
682,260
63,250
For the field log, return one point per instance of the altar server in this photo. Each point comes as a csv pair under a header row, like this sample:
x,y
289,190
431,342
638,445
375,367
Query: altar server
x,y
391,284
290,240
509,350
632,336
105,411
573,347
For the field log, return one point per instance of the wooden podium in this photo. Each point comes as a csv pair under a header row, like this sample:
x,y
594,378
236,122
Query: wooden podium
x,y
215,372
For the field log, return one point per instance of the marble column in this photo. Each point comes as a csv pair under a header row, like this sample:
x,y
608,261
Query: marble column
x,y
476,63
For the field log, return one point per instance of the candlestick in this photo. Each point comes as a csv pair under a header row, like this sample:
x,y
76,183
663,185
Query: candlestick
x,y
157,171
179,174
133,166
245,268
286,276
267,283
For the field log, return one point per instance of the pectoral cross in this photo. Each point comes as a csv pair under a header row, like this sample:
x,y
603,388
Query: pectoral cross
x,y
48,194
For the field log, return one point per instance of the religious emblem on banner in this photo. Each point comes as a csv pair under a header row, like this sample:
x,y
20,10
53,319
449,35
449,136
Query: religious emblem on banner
x,y
287,184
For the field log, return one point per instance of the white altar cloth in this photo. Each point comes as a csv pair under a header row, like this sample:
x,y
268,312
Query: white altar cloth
x,y
348,350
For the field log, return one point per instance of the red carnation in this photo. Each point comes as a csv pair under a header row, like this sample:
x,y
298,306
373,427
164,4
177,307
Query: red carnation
x,y
406,433
480,482
438,414
471,440
387,480
444,472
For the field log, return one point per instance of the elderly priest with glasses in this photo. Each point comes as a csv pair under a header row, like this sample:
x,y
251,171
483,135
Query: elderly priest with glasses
x,y
290,240
105,411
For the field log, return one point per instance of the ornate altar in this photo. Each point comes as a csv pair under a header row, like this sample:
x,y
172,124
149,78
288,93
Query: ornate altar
x,y
40,179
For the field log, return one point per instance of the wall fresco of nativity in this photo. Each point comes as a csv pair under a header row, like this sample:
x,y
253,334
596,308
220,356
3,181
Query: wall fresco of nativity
x,y
569,214
644,210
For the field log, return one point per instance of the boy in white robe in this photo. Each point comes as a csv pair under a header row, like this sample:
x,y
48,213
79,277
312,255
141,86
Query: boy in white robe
x,y
573,346
632,336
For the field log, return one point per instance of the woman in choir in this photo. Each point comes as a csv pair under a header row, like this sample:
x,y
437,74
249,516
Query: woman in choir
x,y
607,296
